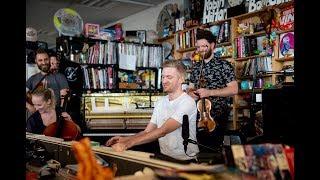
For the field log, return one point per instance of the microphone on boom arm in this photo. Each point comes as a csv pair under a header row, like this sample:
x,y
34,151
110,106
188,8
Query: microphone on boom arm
x,y
185,131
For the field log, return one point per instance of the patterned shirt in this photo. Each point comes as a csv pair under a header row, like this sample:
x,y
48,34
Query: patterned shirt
x,y
217,74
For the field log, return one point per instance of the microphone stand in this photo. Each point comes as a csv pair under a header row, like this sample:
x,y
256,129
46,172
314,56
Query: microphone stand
x,y
216,157
195,142
252,102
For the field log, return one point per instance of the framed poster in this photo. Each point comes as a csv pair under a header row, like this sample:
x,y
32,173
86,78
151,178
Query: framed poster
x,y
141,34
286,45
92,30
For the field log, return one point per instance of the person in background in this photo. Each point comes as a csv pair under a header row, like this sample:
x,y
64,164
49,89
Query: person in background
x,y
54,63
166,121
220,86
55,81
46,111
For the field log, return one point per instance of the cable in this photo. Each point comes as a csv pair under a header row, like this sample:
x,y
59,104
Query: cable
x,y
195,142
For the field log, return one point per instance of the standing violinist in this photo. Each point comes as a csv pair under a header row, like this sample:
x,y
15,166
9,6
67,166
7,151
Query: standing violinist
x,y
46,111
55,81
220,85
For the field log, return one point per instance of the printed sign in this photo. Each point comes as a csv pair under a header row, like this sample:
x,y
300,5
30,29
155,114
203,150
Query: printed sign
x,y
214,10
256,5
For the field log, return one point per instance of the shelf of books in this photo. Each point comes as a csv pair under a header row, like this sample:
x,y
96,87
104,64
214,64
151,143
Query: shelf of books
x,y
260,49
263,51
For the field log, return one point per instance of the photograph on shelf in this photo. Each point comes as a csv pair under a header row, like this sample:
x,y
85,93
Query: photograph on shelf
x,y
137,36
142,35
261,49
92,30
222,52
286,45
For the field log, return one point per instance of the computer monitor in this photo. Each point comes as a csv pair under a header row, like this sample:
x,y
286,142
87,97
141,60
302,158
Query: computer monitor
x,y
278,110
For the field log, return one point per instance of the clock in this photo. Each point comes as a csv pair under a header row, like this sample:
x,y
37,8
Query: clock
x,y
165,20
233,3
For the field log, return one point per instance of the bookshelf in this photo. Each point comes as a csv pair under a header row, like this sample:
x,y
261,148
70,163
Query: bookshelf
x,y
272,64
245,41
112,97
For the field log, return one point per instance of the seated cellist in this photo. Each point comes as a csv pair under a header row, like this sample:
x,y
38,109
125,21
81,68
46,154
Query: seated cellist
x,y
46,111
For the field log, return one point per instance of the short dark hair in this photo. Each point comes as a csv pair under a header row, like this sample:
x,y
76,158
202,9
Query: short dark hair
x,y
41,51
52,53
206,34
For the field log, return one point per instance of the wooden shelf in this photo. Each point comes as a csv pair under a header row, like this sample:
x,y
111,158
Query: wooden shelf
x,y
252,34
284,31
186,49
250,77
271,75
264,32
258,90
225,57
166,38
223,44
219,22
250,57
187,29
291,58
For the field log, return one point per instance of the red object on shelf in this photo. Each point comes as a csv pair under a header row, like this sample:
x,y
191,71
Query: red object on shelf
x,y
289,151
31,176
118,29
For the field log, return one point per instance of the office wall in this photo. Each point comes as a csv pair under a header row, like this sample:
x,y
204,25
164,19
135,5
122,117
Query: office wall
x,y
145,20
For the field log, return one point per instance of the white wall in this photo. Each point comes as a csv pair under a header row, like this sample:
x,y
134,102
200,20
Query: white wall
x,y
145,20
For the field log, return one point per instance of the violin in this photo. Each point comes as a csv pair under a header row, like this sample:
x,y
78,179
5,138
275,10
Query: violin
x,y
62,128
205,121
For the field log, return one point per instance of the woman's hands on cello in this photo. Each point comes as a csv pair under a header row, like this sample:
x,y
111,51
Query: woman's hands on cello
x,y
66,116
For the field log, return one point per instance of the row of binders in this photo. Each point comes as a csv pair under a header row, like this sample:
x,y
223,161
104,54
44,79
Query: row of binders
x,y
140,55
99,78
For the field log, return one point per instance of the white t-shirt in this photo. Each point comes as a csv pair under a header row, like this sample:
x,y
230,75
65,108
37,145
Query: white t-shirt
x,y
172,144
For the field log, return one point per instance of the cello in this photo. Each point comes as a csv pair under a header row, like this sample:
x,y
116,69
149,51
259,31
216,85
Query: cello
x,y
62,128
205,122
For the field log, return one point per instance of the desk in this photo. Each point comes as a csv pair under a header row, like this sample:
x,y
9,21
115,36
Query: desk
x,y
128,162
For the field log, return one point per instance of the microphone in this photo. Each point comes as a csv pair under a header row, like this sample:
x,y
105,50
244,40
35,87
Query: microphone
x,y
185,131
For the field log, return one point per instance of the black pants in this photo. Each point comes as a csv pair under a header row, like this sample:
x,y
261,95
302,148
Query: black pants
x,y
215,138
74,109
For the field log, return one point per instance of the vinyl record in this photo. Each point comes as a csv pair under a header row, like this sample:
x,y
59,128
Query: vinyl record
x,y
68,22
